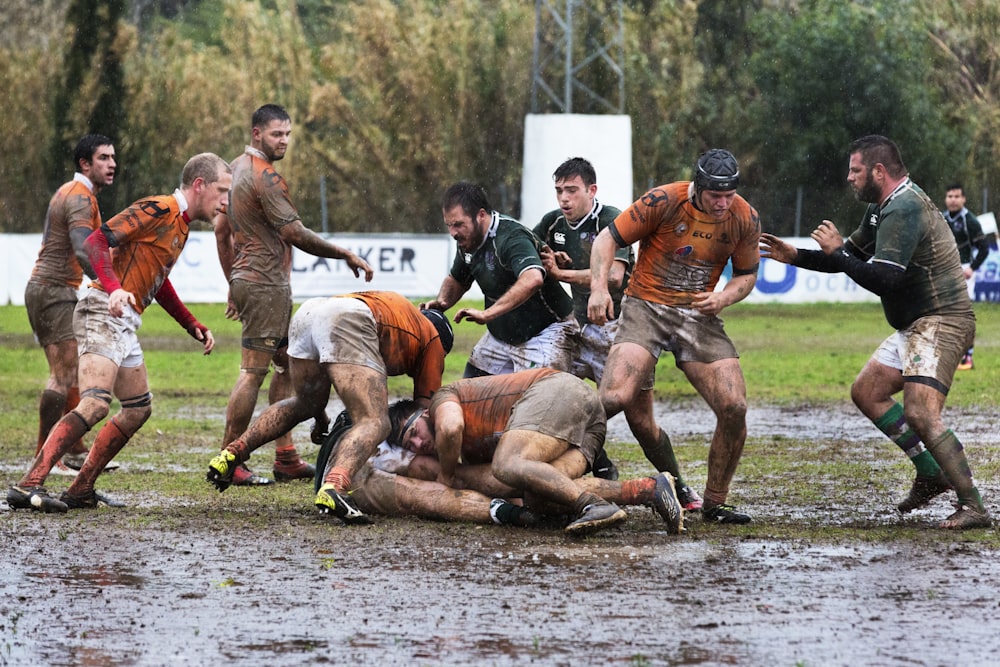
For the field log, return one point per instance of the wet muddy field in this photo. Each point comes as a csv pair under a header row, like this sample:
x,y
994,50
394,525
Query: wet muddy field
x,y
192,583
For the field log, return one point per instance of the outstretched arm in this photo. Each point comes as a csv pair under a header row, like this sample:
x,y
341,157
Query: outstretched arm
x,y
309,241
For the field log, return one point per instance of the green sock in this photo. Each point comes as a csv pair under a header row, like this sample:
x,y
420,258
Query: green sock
x,y
950,455
662,456
893,424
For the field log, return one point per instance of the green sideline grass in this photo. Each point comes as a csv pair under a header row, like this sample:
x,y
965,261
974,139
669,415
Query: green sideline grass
x,y
792,355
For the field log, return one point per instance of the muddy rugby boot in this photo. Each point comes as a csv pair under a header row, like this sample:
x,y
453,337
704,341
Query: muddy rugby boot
x,y
288,471
243,476
667,505
330,501
688,498
88,500
34,498
723,514
967,517
924,490
596,516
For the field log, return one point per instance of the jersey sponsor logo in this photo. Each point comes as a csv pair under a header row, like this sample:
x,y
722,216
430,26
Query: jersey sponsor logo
x,y
559,238
681,229
270,178
684,251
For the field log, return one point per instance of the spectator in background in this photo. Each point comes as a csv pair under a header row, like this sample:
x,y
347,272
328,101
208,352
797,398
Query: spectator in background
x,y
969,237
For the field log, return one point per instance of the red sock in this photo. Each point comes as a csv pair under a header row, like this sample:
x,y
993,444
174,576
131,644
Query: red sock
x,y
638,491
286,454
340,477
68,430
73,400
109,441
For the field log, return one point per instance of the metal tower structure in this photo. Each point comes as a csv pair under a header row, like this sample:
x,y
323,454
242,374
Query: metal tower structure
x,y
579,56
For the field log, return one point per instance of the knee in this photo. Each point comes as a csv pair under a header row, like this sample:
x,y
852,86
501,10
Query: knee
x,y
135,411
95,404
734,413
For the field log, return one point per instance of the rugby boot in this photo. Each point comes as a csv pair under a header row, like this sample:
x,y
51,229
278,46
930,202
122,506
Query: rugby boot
x,y
287,471
967,517
89,500
330,501
723,514
34,498
924,490
667,505
688,498
596,516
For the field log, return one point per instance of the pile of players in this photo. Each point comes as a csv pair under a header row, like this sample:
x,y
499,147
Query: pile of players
x,y
521,438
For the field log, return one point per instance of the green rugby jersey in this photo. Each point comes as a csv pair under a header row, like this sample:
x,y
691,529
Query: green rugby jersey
x,y
908,231
576,240
509,249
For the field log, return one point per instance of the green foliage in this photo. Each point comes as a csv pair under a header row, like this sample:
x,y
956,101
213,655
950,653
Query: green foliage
x,y
392,101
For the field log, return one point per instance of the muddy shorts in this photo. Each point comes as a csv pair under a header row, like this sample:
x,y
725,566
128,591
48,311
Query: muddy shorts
x,y
99,333
592,354
264,313
565,407
687,333
50,311
337,330
928,350
554,346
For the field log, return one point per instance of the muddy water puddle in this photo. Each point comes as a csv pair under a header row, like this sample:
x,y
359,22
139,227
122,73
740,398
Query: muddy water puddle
x,y
87,591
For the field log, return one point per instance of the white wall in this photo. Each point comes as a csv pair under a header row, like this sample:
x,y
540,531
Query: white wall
x,y
551,139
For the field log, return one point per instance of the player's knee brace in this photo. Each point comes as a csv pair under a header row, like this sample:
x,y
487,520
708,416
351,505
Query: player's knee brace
x,y
135,411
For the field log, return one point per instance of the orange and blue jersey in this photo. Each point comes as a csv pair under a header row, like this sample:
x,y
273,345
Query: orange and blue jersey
x,y
682,250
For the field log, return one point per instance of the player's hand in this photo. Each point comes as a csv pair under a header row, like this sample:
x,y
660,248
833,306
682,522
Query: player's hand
x,y
358,266
472,314
828,237
774,248
231,312
564,260
118,300
709,303
434,304
201,333
600,307
548,259
320,429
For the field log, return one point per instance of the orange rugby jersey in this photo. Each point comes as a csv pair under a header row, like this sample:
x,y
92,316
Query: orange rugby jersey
x,y
146,239
259,206
73,206
406,340
682,250
486,404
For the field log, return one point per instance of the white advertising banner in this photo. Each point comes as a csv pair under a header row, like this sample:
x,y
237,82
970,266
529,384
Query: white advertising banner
x,y
415,265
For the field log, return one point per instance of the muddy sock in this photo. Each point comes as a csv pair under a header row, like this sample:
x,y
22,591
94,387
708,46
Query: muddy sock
x,y
51,408
73,400
661,455
68,430
286,454
239,449
950,455
638,491
586,498
507,513
893,424
340,477
109,441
